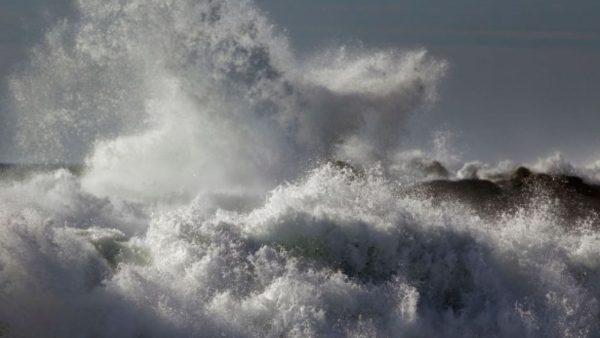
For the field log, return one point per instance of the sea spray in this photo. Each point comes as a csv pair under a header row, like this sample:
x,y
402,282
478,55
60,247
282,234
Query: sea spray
x,y
207,89
211,203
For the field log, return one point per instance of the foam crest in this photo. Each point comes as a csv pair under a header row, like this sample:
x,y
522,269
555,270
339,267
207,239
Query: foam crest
x,y
212,204
338,252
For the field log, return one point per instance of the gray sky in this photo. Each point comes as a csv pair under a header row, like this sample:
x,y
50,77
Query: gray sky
x,y
524,75
22,23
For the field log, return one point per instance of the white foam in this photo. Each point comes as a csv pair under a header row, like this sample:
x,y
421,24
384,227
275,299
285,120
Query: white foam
x,y
203,211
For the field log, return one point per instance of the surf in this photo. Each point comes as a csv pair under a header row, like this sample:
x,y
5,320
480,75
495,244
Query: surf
x,y
228,187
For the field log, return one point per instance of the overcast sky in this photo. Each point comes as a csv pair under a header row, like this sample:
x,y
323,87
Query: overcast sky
x,y
524,75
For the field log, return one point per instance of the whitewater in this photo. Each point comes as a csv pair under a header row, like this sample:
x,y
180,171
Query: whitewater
x,y
229,188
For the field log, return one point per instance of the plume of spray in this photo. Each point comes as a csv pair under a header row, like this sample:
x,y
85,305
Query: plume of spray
x,y
168,98
179,100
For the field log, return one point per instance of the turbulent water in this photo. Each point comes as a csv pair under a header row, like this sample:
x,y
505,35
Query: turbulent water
x,y
211,203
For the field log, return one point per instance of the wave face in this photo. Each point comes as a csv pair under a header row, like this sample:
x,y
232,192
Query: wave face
x,y
208,205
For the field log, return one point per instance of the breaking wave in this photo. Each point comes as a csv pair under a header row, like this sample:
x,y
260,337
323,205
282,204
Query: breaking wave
x,y
232,189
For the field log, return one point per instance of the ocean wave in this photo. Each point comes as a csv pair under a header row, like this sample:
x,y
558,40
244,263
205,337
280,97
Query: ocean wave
x,y
230,189
336,253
